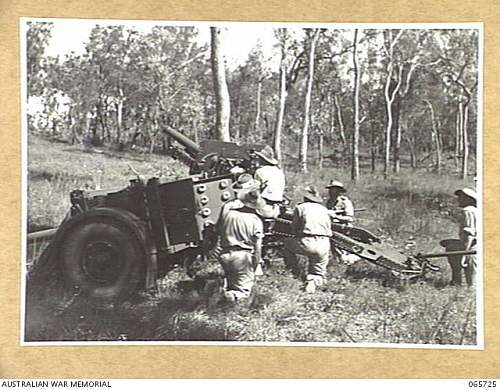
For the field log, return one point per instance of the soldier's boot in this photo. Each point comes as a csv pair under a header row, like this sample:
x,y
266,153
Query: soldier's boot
x,y
310,286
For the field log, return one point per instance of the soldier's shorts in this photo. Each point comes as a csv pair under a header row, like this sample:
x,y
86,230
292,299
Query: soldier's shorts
x,y
238,268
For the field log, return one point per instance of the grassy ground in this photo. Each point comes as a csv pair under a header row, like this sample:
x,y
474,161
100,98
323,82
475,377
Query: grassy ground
x,y
360,303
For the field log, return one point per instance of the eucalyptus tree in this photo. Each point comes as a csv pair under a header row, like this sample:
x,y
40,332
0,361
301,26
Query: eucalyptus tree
x,y
459,69
356,120
310,42
175,81
222,102
393,80
291,58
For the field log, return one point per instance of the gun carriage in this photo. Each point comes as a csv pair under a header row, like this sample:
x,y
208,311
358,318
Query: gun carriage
x,y
114,242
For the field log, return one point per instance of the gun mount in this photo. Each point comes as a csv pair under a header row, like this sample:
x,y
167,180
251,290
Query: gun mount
x,y
366,246
114,242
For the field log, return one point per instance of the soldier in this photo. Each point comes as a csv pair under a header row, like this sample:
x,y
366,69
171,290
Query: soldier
x,y
244,182
340,210
272,180
339,205
241,233
467,200
312,227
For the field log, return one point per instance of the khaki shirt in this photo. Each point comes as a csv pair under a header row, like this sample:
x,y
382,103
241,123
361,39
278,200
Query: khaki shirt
x,y
274,178
341,208
241,229
467,223
311,219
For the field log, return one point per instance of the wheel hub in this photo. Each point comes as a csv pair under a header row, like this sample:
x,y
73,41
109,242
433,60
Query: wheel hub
x,y
102,261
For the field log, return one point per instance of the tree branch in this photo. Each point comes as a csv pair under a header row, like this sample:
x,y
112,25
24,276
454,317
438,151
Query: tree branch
x,y
395,40
187,62
343,51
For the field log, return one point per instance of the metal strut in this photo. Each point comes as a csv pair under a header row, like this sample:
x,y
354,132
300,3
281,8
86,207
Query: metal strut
x,y
367,246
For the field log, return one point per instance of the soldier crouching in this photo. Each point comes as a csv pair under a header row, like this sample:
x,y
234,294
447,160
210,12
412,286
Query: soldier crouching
x,y
241,233
339,206
312,229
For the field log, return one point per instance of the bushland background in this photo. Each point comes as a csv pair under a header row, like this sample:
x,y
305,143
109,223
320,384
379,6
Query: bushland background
x,y
393,113
402,96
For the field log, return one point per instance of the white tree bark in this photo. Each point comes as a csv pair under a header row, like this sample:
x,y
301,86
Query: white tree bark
x,y
282,99
390,96
222,103
465,142
435,136
307,102
355,136
258,98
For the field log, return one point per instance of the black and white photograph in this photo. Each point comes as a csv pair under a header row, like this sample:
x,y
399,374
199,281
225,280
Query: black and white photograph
x,y
251,183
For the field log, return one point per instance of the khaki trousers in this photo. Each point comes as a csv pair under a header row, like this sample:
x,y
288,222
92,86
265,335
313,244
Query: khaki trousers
x,y
240,275
456,264
317,250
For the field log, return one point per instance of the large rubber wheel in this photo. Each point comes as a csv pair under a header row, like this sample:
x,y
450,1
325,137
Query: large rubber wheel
x,y
102,259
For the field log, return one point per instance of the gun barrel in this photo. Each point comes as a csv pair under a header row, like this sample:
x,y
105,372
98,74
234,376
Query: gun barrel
x,y
445,254
191,146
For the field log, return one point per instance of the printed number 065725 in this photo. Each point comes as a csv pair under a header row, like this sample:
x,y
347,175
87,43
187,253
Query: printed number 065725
x,y
483,384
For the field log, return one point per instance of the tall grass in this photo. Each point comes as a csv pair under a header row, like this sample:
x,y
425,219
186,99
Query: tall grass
x,y
57,169
361,303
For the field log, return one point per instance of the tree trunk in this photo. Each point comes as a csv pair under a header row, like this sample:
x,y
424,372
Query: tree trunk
x,y
237,118
465,142
119,116
320,149
355,136
388,137
331,130
340,120
87,123
156,131
373,147
397,147
458,137
222,103
257,114
281,107
307,103
435,136
72,125
390,95
413,157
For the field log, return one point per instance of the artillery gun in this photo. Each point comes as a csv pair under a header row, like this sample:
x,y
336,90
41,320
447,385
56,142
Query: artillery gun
x,y
211,158
113,242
